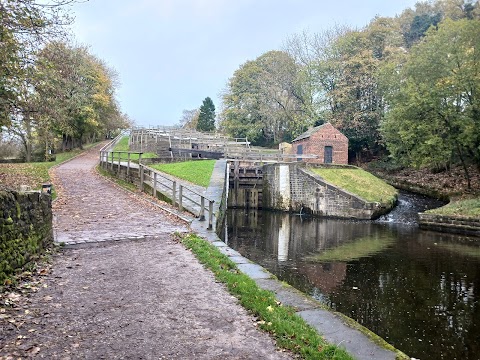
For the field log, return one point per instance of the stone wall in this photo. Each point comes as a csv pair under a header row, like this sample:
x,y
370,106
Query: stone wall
x,y
25,229
307,192
454,224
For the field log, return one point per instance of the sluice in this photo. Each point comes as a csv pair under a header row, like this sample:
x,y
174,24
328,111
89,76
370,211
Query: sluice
x,y
245,184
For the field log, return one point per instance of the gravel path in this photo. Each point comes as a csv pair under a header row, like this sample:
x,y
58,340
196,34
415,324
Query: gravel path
x,y
127,291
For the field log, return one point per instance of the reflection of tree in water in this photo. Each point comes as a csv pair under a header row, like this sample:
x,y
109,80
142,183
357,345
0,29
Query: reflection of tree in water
x,y
417,297
325,277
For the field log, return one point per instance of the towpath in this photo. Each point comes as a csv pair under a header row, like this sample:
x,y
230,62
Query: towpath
x,y
127,289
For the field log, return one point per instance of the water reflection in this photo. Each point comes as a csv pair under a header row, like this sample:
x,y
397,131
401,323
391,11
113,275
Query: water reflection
x,y
417,289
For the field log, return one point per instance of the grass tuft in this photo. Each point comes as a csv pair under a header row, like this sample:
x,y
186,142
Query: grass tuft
x,y
289,330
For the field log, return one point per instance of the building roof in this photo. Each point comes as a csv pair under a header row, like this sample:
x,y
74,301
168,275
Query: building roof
x,y
309,132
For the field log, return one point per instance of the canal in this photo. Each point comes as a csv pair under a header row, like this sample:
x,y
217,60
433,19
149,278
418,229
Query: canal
x,y
417,289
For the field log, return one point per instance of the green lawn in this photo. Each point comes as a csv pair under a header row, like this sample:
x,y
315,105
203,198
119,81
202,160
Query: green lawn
x,y
122,145
359,182
198,171
469,208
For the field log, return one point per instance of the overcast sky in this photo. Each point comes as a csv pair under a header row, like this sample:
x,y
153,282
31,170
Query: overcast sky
x,y
171,54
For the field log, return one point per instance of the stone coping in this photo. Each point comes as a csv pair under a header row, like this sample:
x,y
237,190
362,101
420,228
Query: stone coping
x,y
453,224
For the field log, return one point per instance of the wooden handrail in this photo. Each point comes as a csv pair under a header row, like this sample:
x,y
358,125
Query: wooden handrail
x,y
152,177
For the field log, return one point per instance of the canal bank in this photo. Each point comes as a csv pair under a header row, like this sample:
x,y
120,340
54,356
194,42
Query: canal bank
x,y
442,188
335,327
417,289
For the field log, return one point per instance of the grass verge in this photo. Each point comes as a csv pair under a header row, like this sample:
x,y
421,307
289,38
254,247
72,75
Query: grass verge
x,y
467,208
122,145
35,173
198,171
359,182
289,330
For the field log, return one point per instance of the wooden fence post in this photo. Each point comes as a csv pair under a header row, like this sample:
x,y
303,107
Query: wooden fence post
x,y
180,195
112,162
201,216
142,175
119,158
174,193
128,165
210,214
155,185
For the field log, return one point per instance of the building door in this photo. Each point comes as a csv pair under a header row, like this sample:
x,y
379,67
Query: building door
x,y
328,155
299,152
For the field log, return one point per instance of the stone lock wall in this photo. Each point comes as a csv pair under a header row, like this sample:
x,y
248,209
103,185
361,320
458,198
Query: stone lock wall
x,y
25,228
290,187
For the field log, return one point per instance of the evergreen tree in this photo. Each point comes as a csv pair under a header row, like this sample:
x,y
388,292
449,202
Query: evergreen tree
x,y
206,118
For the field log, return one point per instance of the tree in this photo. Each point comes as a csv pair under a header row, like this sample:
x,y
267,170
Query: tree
x,y
435,113
68,94
189,118
206,117
313,54
262,101
25,26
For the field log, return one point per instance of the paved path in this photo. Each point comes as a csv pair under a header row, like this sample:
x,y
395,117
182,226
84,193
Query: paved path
x,y
91,209
130,291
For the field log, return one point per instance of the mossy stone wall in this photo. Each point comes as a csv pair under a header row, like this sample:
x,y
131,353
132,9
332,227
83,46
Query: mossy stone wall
x,y
452,224
25,229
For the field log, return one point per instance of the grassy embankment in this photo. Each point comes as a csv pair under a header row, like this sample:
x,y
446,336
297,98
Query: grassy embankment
x,y
33,174
289,330
197,172
467,208
359,182
449,184
122,145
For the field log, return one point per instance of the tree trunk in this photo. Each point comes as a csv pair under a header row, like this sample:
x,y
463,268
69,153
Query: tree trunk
x,y
464,165
28,141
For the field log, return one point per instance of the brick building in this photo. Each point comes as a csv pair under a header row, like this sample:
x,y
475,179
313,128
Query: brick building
x,y
328,143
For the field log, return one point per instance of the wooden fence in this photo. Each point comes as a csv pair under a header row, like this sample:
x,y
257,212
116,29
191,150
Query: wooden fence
x,y
122,164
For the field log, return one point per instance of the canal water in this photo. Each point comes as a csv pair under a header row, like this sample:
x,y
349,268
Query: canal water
x,y
417,289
